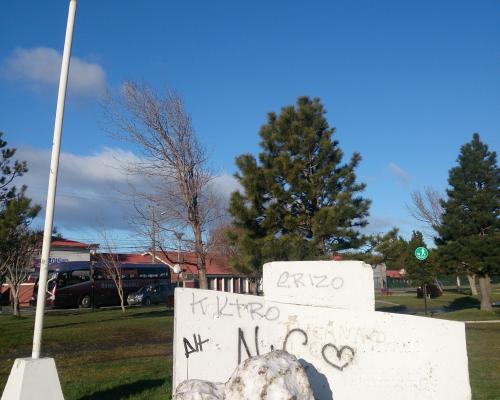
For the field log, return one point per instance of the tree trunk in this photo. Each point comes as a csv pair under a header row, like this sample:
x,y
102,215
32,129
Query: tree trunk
x,y
255,286
202,276
122,302
472,283
485,288
200,257
15,302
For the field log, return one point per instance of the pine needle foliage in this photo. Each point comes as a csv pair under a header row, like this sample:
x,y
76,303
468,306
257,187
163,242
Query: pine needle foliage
x,y
298,201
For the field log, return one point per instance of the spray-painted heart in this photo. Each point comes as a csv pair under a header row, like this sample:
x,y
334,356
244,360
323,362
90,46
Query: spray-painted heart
x,y
345,355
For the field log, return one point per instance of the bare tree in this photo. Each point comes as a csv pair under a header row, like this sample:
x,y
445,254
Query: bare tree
x,y
112,269
17,263
220,243
426,207
174,164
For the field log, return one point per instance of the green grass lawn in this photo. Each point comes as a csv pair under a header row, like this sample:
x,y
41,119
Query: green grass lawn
x,y
483,349
100,355
108,355
407,302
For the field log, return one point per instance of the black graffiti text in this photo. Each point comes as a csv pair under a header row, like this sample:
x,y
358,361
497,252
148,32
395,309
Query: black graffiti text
x,y
198,345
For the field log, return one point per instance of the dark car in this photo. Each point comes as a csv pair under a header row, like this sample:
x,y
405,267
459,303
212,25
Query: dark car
x,y
4,298
153,294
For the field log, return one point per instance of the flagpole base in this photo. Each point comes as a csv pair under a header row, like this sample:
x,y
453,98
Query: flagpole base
x,y
33,379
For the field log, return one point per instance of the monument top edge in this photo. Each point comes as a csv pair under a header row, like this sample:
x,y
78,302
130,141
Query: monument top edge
x,y
318,263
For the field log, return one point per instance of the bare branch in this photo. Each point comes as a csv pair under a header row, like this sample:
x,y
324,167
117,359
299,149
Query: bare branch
x,y
112,268
18,259
426,207
174,165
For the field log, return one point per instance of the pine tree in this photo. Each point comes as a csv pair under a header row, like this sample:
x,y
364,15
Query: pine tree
x,y
9,170
17,241
391,249
469,236
299,201
420,272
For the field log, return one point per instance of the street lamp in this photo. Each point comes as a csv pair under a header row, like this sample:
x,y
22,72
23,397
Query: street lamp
x,y
93,256
179,236
177,269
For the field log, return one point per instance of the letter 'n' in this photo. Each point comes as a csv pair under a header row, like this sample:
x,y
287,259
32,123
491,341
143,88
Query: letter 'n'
x,y
241,339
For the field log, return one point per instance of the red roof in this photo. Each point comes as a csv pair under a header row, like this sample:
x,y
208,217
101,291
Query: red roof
x,y
393,274
69,243
216,265
133,258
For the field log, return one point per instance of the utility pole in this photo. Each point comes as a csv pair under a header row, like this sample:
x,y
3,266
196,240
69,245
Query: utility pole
x,y
153,235
179,236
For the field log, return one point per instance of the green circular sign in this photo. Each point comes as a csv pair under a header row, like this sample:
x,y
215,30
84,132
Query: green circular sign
x,y
421,253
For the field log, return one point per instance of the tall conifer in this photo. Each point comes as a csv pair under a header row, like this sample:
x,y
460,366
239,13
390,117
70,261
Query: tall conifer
x,y
420,272
469,236
299,201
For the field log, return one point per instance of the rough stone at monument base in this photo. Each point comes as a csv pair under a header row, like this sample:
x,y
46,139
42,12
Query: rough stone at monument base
x,y
275,375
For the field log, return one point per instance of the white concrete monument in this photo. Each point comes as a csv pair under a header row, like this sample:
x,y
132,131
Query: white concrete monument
x,y
33,379
341,284
349,352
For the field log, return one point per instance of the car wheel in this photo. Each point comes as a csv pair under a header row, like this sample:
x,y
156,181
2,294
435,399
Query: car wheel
x,y
85,301
148,302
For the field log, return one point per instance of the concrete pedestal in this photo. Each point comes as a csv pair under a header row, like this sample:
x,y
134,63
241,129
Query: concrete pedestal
x,y
32,379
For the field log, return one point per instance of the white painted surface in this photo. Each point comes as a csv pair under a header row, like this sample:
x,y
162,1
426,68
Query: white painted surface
x,y
350,354
51,192
33,379
337,284
68,255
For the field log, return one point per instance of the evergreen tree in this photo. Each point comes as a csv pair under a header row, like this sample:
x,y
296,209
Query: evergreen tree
x,y
420,272
392,250
16,213
389,249
9,170
18,244
469,236
299,201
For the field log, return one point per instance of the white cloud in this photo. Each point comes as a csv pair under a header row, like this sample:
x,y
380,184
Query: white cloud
x,y
225,184
400,173
93,190
40,67
381,224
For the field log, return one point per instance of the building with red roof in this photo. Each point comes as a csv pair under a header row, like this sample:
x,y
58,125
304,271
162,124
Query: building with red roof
x,y
220,275
63,250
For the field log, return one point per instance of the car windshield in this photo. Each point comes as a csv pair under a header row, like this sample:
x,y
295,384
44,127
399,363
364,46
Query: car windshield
x,y
143,289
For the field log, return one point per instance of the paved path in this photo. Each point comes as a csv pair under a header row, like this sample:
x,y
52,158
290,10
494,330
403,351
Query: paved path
x,y
387,302
494,321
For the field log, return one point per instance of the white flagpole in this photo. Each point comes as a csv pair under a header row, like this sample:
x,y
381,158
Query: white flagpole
x,y
51,193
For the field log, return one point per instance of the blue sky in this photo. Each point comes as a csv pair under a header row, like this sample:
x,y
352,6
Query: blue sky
x,y
404,82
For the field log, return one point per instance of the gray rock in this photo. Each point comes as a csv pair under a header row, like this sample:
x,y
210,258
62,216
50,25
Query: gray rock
x,y
195,389
277,375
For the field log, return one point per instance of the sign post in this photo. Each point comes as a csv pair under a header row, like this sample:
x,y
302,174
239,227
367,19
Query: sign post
x,y
421,253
